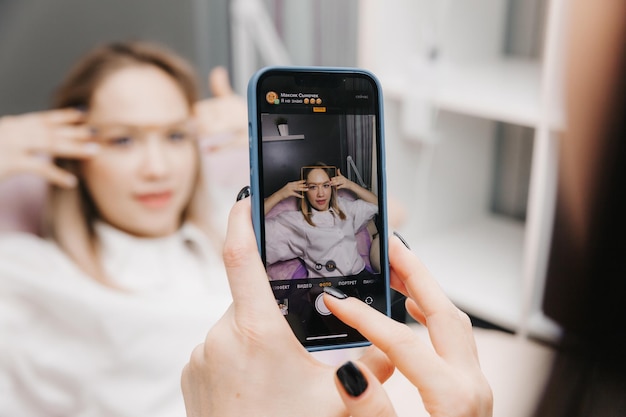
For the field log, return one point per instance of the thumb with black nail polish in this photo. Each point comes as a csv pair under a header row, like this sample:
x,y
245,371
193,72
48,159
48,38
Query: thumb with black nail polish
x,y
352,379
361,392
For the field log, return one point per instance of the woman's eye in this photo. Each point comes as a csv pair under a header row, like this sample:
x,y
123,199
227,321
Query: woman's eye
x,y
326,186
312,188
177,136
120,141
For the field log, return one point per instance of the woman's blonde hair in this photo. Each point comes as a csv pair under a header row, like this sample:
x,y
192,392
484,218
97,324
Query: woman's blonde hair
x,y
305,205
71,213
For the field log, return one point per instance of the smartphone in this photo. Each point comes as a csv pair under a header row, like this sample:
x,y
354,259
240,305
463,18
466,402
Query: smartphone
x,y
317,166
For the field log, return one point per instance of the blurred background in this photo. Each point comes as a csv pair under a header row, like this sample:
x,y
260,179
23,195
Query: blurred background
x,y
472,109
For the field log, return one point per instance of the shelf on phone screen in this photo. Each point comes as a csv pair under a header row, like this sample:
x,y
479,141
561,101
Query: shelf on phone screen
x,y
285,137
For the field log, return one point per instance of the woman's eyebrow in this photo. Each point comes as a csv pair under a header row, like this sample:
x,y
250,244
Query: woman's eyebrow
x,y
146,126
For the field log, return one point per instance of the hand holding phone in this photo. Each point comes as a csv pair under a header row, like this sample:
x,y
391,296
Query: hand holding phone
x,y
315,226
252,349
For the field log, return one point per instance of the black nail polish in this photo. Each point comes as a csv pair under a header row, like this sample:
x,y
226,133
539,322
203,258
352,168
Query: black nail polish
x,y
396,234
335,292
243,193
352,379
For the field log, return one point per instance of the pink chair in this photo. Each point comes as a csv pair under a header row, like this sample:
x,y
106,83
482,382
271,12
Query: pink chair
x,y
22,202
295,268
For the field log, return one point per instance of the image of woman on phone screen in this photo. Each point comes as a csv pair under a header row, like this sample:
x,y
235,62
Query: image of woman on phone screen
x,y
323,231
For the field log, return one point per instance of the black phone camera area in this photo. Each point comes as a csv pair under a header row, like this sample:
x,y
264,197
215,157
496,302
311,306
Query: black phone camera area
x,y
301,302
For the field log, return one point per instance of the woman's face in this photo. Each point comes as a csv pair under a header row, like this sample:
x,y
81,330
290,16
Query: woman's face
x,y
143,177
319,189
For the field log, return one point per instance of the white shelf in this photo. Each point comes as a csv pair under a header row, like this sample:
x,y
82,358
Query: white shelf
x,y
491,267
479,267
542,327
506,89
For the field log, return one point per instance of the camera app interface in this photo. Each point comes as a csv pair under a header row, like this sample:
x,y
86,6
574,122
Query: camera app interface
x,y
320,183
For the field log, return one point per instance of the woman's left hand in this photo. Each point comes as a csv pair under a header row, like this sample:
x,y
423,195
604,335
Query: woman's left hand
x,y
251,363
340,181
222,120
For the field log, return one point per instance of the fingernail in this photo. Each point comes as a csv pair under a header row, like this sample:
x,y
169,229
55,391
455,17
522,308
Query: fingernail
x,y
396,234
92,148
335,292
70,181
352,380
244,193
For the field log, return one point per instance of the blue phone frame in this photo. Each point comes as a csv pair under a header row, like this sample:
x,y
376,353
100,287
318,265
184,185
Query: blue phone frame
x,y
255,185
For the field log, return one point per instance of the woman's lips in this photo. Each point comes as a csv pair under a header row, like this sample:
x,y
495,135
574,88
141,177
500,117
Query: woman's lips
x,y
155,200
320,202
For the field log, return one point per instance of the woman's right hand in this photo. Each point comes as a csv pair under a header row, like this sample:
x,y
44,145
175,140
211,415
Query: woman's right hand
x,y
448,378
251,363
29,142
291,189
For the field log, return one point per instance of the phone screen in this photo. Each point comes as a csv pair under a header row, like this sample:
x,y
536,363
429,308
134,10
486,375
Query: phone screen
x,y
317,161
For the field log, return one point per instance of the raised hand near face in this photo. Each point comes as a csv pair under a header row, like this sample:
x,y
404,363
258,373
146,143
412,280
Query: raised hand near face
x,y
30,142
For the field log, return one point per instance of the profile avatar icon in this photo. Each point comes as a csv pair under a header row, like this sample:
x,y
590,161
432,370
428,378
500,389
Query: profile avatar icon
x,y
272,97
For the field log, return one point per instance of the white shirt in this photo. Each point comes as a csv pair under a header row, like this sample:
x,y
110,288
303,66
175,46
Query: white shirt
x,y
288,236
70,346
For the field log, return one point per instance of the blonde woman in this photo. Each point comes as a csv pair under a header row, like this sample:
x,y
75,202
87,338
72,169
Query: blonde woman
x,y
99,316
322,232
